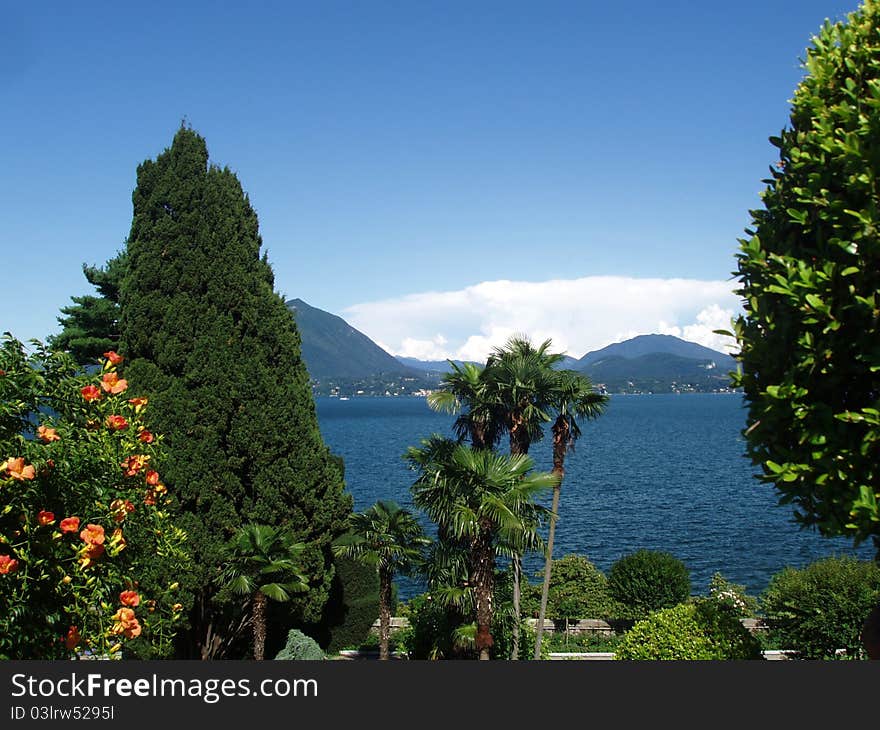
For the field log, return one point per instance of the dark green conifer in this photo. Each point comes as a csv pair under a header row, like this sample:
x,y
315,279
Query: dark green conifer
x,y
90,326
219,355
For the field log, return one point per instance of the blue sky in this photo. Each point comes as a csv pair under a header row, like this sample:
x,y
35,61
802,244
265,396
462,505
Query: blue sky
x,y
398,151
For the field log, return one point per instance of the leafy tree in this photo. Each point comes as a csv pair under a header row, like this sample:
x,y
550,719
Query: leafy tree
x,y
263,564
481,497
218,353
578,589
389,538
648,580
821,608
809,276
90,326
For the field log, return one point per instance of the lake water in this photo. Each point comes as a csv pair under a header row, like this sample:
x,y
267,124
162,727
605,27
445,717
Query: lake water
x,y
664,472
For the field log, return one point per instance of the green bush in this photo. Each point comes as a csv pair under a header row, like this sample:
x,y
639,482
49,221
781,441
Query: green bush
x,y
300,647
734,596
353,605
578,589
689,631
821,608
647,581
431,629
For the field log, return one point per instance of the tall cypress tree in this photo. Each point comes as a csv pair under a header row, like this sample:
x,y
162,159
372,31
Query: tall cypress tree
x,y
219,355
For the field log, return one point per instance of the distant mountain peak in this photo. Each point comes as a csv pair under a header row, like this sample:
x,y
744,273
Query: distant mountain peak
x,y
654,344
657,363
332,348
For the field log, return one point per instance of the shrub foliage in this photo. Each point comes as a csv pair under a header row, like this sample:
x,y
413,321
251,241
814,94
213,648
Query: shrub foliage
x,y
646,581
821,608
810,280
300,647
85,531
700,630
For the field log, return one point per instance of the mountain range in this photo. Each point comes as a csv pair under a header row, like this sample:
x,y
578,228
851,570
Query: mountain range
x,y
341,359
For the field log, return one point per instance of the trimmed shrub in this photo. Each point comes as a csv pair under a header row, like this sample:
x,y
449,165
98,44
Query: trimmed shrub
x,y
647,581
822,607
689,631
300,647
353,607
578,589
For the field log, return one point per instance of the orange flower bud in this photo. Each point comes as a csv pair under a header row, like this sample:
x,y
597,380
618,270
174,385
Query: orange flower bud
x,y
71,641
117,541
89,555
138,403
133,464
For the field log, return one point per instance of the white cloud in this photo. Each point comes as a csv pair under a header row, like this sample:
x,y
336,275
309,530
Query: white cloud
x,y
579,315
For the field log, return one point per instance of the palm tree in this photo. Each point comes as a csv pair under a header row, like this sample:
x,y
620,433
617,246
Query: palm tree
x,y
263,564
521,380
389,538
526,382
573,398
481,497
465,393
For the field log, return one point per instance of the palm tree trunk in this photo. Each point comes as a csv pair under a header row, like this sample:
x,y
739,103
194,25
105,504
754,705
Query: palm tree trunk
x,y
483,580
258,618
384,613
545,590
519,444
561,441
517,572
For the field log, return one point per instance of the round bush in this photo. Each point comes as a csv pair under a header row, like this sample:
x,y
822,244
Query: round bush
x,y
689,631
821,608
299,646
647,581
578,589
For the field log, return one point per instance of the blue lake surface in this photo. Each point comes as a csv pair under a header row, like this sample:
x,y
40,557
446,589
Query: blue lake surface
x,y
665,472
